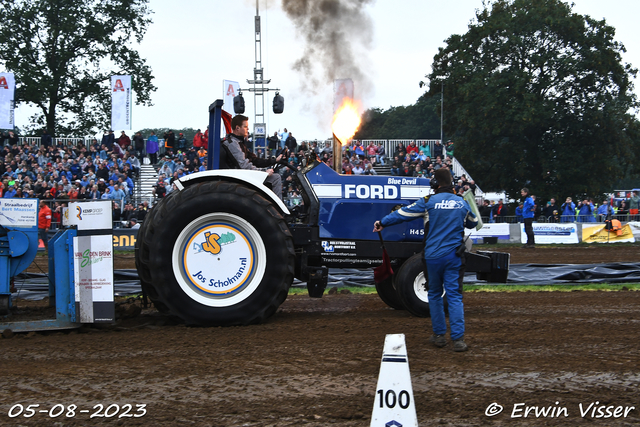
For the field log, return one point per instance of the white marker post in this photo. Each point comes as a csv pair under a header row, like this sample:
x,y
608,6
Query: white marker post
x,y
394,405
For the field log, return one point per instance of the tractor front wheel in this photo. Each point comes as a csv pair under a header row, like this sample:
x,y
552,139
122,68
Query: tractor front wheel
x,y
217,253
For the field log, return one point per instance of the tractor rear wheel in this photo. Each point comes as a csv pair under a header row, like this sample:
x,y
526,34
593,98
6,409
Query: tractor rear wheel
x,y
412,286
142,253
217,254
388,294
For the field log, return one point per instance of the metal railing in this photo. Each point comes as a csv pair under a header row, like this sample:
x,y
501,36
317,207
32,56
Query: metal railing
x,y
583,219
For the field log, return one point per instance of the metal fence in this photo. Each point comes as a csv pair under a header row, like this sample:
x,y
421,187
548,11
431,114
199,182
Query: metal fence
x,y
56,220
583,219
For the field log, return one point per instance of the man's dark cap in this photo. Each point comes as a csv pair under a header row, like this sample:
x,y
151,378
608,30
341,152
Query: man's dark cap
x,y
443,176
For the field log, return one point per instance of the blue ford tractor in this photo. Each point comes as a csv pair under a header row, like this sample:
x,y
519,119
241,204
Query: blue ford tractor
x,y
224,249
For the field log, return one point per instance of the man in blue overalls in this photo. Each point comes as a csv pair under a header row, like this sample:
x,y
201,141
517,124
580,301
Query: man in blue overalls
x,y
445,217
528,212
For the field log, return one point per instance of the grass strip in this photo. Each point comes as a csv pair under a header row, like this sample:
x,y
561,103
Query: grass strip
x,y
505,288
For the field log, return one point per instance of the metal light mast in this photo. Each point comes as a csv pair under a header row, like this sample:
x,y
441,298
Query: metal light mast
x,y
258,82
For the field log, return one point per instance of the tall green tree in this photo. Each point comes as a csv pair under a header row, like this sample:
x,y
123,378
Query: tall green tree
x,y
538,96
416,121
63,53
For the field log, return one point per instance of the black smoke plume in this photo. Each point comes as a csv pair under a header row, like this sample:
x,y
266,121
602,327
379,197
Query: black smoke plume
x,y
338,35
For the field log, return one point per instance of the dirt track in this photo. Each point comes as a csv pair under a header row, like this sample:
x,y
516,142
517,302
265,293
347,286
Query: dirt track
x,y
316,363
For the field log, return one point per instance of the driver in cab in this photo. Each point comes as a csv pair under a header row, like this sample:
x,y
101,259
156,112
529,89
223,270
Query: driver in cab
x,y
242,158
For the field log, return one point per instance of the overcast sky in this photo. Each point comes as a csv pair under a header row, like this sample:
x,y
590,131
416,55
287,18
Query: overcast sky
x,y
193,45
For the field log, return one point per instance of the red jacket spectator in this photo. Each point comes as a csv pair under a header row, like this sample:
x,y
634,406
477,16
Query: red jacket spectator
x,y
124,141
412,148
44,217
198,140
372,150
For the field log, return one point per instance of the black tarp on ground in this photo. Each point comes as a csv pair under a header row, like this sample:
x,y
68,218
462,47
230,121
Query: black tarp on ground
x,y
35,285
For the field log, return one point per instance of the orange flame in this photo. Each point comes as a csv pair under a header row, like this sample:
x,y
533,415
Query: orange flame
x,y
346,120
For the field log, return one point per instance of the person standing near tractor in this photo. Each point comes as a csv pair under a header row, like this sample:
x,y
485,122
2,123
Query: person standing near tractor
x,y
44,223
446,215
528,213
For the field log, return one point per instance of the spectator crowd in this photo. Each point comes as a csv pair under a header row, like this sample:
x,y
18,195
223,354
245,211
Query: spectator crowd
x,y
585,211
107,169
59,173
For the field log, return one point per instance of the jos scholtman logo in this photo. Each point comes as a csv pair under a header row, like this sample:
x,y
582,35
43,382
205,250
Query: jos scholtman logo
x,y
218,259
213,242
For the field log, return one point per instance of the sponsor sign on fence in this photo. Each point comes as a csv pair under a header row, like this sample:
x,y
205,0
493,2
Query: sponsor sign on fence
x,y
19,212
93,261
599,234
635,229
546,233
501,231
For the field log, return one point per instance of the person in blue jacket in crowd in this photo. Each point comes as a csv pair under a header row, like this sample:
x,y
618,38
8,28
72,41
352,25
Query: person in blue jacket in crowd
x,y
604,211
445,215
519,213
528,212
568,210
585,211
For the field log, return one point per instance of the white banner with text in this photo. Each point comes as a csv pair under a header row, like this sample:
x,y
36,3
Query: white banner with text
x,y
7,97
230,90
121,103
501,231
546,233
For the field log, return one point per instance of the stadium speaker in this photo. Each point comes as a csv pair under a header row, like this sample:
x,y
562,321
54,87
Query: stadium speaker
x,y
278,103
238,104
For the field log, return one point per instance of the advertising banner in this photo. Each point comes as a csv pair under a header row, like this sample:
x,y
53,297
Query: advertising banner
x,y
93,274
7,98
635,228
230,90
121,103
599,234
93,260
19,212
124,239
552,233
501,231
90,215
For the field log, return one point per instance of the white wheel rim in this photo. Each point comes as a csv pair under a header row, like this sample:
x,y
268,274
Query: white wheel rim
x,y
219,259
420,288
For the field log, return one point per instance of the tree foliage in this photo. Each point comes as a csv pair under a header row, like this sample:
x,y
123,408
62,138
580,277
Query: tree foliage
x,y
418,121
538,96
63,53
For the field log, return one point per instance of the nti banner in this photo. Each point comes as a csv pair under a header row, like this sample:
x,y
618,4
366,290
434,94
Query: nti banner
x,y
120,103
7,92
230,90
